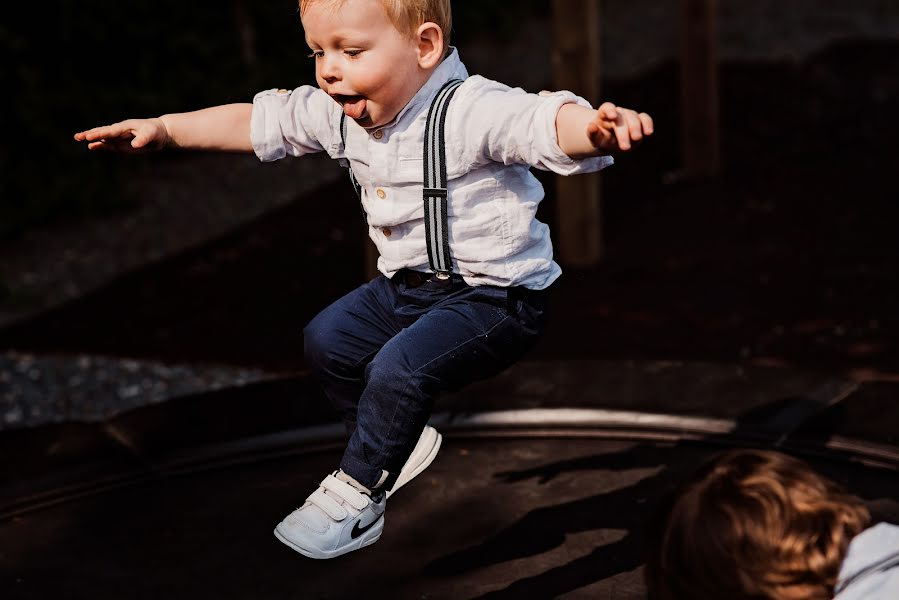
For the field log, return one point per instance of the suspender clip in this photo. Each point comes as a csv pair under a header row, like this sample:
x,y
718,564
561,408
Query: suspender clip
x,y
435,192
443,275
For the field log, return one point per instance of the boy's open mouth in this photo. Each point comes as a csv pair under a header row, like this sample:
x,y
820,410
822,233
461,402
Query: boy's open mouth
x,y
353,106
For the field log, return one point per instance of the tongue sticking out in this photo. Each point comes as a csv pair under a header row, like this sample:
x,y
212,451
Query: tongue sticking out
x,y
354,107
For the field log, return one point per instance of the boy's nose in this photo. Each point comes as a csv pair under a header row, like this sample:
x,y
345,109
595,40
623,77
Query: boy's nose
x,y
328,69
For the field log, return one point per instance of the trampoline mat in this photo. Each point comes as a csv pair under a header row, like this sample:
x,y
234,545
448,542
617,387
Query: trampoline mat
x,y
492,517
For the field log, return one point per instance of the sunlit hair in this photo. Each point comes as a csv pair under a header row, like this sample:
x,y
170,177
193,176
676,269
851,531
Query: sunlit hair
x,y
407,15
754,525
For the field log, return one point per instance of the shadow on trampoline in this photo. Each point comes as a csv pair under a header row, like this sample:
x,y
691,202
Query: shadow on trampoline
x,y
632,507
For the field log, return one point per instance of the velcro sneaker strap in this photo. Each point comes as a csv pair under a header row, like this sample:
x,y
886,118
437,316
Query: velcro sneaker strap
x,y
435,181
328,504
353,496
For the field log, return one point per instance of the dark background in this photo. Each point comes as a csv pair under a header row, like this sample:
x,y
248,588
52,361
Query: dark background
x,y
788,257
767,294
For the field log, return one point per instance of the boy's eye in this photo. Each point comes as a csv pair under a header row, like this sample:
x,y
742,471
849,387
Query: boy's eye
x,y
316,54
352,52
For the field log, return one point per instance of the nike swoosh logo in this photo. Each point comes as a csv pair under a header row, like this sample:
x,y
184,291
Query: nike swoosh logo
x,y
357,531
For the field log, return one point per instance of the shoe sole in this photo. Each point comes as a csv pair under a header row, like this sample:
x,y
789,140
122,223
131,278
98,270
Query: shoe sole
x,y
370,537
426,449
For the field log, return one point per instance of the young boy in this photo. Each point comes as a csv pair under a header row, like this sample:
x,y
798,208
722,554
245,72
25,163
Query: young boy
x,y
464,261
761,525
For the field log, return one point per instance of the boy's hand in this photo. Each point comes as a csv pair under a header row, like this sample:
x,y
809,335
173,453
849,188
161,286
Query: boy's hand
x,y
616,128
132,136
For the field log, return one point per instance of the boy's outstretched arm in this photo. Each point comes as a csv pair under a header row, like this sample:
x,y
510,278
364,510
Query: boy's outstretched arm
x,y
223,128
583,132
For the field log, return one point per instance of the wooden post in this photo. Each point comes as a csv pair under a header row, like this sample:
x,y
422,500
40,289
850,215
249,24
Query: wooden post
x,y
575,62
699,88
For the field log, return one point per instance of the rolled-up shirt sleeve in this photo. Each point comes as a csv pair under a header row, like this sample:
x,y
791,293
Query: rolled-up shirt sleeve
x,y
291,123
511,126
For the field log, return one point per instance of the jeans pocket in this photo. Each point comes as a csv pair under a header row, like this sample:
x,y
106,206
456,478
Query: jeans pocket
x,y
528,307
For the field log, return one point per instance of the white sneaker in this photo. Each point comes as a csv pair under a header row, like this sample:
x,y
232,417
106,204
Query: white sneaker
x,y
422,455
337,518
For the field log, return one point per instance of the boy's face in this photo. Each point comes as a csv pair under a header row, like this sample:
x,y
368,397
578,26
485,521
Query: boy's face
x,y
362,60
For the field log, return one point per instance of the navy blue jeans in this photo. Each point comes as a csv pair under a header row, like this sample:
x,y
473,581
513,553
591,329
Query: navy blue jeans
x,y
384,351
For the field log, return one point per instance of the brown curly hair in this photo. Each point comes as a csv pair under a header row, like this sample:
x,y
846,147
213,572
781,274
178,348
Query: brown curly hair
x,y
753,525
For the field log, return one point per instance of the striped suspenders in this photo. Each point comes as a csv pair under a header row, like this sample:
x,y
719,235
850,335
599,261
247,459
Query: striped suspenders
x,y
435,196
435,184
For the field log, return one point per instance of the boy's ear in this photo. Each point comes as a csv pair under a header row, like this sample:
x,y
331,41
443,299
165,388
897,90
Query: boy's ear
x,y
430,45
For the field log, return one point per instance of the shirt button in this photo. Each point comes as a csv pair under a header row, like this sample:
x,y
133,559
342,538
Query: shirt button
x,y
381,193
378,134
386,231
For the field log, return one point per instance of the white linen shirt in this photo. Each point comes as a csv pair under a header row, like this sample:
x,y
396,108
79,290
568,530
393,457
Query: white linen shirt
x,y
870,570
493,134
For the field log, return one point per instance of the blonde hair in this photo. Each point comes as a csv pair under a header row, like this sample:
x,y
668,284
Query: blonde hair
x,y
408,15
754,525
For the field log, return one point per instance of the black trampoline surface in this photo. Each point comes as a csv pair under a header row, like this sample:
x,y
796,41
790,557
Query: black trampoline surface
x,y
493,517
546,478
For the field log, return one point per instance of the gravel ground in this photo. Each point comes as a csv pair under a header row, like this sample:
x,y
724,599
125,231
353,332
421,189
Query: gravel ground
x,y
39,390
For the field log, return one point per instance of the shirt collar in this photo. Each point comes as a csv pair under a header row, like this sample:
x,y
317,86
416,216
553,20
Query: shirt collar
x,y
450,68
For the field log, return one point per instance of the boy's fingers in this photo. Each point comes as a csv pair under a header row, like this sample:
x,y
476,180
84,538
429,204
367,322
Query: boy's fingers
x,y
608,111
624,138
623,127
598,135
140,140
634,126
130,136
82,136
96,133
646,120
120,130
622,134
595,136
106,131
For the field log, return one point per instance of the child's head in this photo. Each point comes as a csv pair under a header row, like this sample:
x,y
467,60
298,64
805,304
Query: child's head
x,y
753,525
372,56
